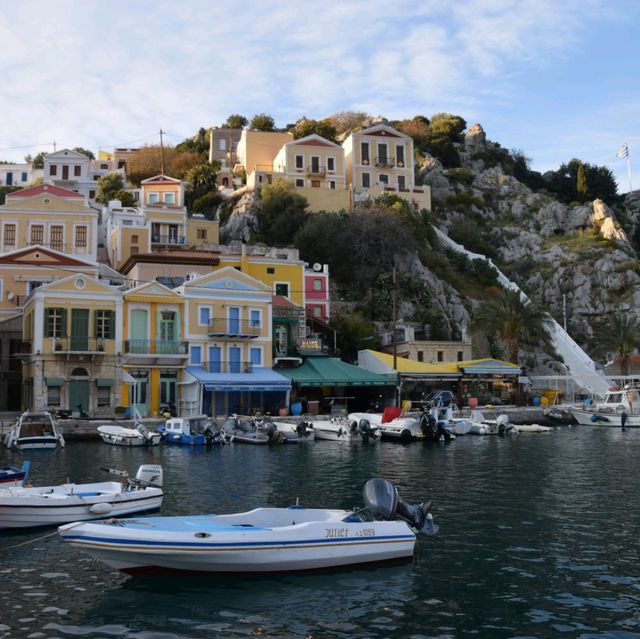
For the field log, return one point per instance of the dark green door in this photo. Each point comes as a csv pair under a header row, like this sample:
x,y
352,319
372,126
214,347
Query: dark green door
x,y
79,329
79,394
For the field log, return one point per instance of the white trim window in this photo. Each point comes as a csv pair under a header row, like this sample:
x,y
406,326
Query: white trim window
x,y
383,178
195,356
255,355
331,164
331,184
170,197
255,318
366,180
299,162
281,288
53,395
204,315
153,197
300,183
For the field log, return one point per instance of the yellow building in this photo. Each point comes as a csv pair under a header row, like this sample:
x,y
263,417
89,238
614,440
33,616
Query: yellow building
x,y
256,153
72,332
24,270
52,217
379,160
228,325
162,199
316,167
154,350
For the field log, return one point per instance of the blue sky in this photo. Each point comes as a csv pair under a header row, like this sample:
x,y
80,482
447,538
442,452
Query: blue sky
x,y
556,80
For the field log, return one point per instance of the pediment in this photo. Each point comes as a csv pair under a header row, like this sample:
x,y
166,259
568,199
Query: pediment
x,y
39,255
227,279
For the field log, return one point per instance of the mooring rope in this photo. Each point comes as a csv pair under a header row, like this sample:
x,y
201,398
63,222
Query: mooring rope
x,y
31,541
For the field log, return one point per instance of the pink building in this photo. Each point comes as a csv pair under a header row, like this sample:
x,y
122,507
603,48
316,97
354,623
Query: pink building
x,y
316,292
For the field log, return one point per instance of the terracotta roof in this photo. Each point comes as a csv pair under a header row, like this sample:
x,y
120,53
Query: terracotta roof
x,y
279,300
45,188
171,257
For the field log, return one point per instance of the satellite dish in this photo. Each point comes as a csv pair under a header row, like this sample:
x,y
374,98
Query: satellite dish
x,y
317,267
10,295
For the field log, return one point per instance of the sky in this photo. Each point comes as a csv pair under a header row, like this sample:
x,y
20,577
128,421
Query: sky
x,y
556,80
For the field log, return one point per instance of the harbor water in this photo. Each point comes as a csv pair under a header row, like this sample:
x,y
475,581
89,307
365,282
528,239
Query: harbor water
x,y
539,537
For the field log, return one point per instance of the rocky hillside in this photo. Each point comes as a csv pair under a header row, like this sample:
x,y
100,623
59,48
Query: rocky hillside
x,y
581,254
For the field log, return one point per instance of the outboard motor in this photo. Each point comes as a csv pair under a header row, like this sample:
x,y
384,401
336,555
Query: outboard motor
x,y
382,500
503,425
429,427
149,475
302,429
364,428
271,430
443,432
144,431
353,426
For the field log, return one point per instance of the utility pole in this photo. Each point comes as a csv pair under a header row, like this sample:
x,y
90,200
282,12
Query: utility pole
x,y
54,146
161,154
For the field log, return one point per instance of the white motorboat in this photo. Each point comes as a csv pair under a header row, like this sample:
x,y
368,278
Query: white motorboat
x,y
25,507
490,424
34,430
455,425
243,431
286,432
619,404
120,436
263,540
344,429
405,427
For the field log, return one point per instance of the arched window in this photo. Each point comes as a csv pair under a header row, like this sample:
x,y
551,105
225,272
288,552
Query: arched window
x,y
79,372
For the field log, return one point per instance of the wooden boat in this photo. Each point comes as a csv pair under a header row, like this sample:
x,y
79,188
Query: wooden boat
x,y
120,436
13,474
263,540
34,430
25,507
619,404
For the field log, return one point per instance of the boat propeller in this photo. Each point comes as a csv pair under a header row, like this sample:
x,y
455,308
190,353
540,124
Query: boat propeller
x,y
383,502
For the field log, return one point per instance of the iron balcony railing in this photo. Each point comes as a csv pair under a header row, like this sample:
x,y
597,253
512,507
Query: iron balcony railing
x,y
384,160
225,327
316,171
168,239
156,347
80,344
227,367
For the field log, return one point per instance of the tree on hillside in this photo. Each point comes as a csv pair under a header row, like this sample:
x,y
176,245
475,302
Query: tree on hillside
x,y
200,180
416,128
199,143
108,187
516,323
306,127
282,212
619,335
346,122
182,163
581,183
89,154
262,122
37,161
598,182
444,131
236,121
354,333
147,162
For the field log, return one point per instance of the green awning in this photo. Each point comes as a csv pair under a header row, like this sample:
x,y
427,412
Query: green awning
x,y
104,381
54,381
331,371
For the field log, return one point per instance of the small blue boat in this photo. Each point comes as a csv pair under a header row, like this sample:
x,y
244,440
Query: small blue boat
x,y
199,430
13,474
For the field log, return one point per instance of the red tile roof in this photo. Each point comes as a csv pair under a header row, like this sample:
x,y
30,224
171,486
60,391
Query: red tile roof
x,y
45,188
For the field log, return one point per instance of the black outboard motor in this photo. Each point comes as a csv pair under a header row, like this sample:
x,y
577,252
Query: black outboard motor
x,y
271,430
429,427
443,432
364,428
302,429
382,500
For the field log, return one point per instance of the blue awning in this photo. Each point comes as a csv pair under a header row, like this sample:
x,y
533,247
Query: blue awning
x,y
260,379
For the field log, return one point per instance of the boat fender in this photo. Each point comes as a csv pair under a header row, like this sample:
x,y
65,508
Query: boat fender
x,y
598,418
101,509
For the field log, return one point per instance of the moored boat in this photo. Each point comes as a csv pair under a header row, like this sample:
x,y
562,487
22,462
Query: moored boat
x,y
344,429
34,430
26,507
620,407
243,431
14,474
198,430
263,540
120,436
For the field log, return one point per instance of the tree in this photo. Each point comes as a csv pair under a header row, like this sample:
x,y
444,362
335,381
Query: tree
x,y
283,211
109,186
306,127
346,122
207,204
416,128
512,320
354,333
619,335
200,180
181,163
197,144
598,182
262,122
37,162
147,162
236,121
447,125
581,183
89,154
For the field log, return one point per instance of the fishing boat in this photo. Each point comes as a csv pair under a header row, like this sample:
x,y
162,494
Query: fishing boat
x,y
120,436
26,507
263,540
14,474
618,405
198,430
34,430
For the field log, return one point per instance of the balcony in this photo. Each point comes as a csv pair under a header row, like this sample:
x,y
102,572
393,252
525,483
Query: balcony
x,y
171,240
234,328
384,161
316,171
155,352
78,345
227,367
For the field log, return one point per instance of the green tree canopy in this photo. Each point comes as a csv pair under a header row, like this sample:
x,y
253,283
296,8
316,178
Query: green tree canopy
x,y
236,121
283,211
37,161
262,122
580,181
506,316
108,187
89,154
354,333
198,143
306,127
200,180
346,122
620,335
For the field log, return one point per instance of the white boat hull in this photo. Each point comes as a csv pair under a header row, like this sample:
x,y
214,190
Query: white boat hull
x,y
54,505
119,436
341,430
402,428
315,539
606,420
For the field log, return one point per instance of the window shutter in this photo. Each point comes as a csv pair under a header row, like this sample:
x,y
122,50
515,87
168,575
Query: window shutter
x,y
95,324
63,312
46,322
112,325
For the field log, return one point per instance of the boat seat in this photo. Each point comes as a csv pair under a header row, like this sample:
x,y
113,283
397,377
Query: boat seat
x,y
87,494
